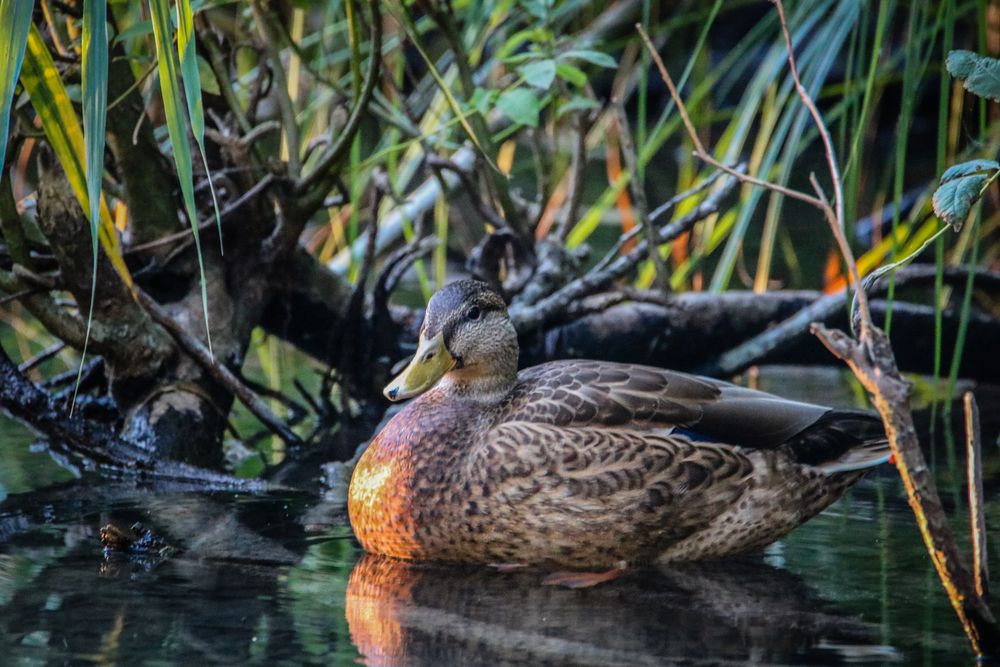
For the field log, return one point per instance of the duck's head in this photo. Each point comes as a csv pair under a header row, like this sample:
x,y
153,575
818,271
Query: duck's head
x,y
467,344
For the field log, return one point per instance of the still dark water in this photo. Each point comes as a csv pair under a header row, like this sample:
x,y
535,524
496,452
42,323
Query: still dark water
x,y
279,580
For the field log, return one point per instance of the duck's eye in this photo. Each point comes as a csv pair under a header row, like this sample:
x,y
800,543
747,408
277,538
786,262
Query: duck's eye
x,y
473,313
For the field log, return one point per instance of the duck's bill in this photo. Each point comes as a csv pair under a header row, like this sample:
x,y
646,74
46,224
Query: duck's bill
x,y
431,361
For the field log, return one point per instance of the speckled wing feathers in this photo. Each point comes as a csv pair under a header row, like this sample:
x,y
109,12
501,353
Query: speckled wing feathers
x,y
568,393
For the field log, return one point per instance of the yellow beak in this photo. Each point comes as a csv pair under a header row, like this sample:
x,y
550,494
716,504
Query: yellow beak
x,y
431,361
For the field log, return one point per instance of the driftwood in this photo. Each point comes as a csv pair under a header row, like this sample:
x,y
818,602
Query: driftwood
x,y
94,444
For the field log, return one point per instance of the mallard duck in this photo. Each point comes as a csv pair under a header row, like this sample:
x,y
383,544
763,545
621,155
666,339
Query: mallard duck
x,y
586,465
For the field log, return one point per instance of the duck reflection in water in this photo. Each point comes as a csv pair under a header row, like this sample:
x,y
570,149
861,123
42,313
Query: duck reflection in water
x,y
422,613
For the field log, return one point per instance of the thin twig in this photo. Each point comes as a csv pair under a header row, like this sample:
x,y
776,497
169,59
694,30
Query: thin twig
x,y
472,193
578,162
9,298
539,314
660,211
700,151
255,190
218,371
637,185
41,357
977,516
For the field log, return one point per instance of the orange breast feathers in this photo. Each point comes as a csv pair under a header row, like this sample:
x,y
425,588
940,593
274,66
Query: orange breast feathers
x,y
380,502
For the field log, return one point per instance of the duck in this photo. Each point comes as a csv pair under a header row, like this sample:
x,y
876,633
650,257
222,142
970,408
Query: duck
x,y
584,466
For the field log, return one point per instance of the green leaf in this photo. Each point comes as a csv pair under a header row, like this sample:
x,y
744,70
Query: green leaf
x,y
970,167
15,20
598,58
137,29
515,41
579,103
572,74
482,100
540,73
954,199
95,103
980,75
177,127
208,81
191,77
520,105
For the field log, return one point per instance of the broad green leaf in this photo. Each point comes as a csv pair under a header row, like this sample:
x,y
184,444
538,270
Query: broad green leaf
x,y
137,29
208,81
482,100
572,73
980,75
537,8
579,103
177,127
191,77
520,105
540,73
40,79
516,40
598,58
970,167
15,19
954,199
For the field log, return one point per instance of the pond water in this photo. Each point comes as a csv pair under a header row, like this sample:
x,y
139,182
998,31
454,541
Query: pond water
x,y
278,579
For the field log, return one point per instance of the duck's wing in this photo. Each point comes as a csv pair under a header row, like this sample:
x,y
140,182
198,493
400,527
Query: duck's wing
x,y
596,394
609,489
604,394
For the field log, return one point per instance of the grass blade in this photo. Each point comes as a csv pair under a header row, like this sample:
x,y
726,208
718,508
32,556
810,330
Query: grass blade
x,y
40,79
95,106
177,128
15,19
191,79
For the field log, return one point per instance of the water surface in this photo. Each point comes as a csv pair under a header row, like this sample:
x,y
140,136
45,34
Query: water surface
x,y
278,579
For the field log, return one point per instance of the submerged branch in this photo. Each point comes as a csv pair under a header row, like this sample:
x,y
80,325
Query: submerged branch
x,y
94,442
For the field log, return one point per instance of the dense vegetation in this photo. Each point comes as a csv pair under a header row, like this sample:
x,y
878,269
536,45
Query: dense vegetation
x,y
236,209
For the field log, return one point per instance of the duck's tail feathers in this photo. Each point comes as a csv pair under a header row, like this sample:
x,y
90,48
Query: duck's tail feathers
x,y
843,441
866,455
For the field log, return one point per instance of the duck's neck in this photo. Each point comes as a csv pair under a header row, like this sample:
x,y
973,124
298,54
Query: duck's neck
x,y
487,385
484,389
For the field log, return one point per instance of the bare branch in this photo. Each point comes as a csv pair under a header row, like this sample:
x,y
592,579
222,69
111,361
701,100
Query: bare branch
x,y
700,151
218,371
539,314
637,186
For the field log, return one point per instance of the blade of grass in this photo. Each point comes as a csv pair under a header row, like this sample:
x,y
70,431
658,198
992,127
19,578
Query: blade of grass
x,y
95,105
40,79
191,79
177,128
15,20
944,94
456,108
